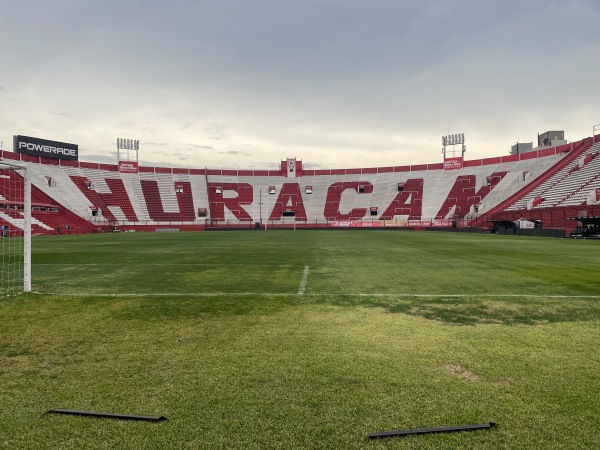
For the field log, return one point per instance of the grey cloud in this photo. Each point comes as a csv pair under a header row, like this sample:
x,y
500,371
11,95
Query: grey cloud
x,y
320,80
99,158
61,114
217,131
315,166
234,152
228,153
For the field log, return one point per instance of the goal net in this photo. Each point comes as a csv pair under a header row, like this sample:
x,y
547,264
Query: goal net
x,y
15,229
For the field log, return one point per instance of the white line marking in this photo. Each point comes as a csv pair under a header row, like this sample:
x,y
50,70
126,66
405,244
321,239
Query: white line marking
x,y
164,264
558,256
320,294
303,281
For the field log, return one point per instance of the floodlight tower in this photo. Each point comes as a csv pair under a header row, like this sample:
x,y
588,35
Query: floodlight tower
x,y
453,140
453,159
131,145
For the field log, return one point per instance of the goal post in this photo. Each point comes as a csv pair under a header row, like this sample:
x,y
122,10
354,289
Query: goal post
x,y
15,222
27,229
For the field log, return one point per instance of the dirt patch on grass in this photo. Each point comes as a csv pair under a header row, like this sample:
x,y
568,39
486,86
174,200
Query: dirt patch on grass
x,y
461,372
504,383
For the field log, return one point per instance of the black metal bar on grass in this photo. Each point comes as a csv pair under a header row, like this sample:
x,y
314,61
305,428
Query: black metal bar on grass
x,y
431,430
106,415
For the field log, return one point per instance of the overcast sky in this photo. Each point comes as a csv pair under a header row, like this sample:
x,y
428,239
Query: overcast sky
x,y
336,83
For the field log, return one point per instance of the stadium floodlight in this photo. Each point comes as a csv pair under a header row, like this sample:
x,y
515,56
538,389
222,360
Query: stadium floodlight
x,y
128,145
452,140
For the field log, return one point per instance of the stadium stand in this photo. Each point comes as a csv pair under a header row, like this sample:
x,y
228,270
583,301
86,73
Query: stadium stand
x,y
48,216
550,186
562,184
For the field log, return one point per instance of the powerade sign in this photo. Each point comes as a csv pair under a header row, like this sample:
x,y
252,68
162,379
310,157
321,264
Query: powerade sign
x,y
44,148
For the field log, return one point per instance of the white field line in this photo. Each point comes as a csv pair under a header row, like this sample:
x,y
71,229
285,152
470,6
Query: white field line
x,y
320,294
302,286
164,264
558,256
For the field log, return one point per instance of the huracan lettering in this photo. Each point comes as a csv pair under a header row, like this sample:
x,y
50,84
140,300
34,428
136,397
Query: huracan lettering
x,y
409,202
289,200
154,202
334,197
462,195
105,201
219,200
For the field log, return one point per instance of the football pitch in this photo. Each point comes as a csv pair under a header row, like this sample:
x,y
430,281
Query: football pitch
x,y
304,340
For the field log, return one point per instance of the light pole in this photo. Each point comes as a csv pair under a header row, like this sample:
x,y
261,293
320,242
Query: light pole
x,y
260,206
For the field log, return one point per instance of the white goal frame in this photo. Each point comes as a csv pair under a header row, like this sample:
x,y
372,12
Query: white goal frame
x,y
25,170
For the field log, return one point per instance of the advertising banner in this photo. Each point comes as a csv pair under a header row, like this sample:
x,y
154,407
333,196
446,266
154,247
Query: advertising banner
x,y
453,163
446,223
128,167
45,148
593,197
350,223
372,224
430,223
395,223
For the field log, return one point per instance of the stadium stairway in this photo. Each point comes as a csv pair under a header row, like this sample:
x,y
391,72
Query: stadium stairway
x,y
503,207
574,190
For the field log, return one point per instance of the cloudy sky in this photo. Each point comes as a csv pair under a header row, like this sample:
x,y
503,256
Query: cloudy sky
x,y
336,83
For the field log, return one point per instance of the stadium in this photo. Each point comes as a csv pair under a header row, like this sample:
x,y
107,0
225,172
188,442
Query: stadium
x,y
555,186
327,319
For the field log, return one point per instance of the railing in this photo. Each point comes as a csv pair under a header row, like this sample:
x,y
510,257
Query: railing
x,y
550,218
325,223
106,225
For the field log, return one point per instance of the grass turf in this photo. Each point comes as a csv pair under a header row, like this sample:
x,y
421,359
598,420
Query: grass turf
x,y
394,330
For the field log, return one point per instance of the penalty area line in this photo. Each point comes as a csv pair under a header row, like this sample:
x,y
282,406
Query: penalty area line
x,y
302,286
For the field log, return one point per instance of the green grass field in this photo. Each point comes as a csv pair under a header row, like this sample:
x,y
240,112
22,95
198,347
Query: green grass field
x,y
304,339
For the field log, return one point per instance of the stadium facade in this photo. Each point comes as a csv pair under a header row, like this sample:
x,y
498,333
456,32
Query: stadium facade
x,y
552,187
